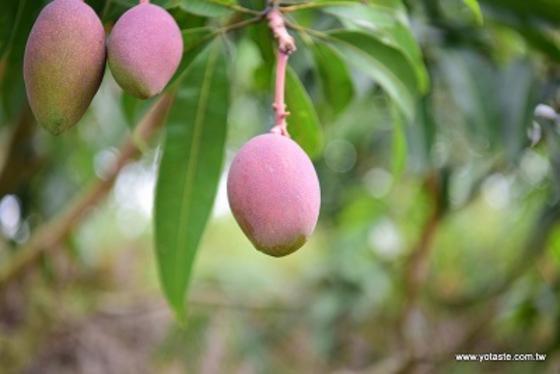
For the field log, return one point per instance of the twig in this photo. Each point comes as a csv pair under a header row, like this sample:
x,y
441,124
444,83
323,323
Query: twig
x,y
416,264
53,232
286,46
307,30
315,5
237,25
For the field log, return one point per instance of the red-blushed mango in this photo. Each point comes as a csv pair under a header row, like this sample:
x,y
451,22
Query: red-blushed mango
x,y
63,63
274,194
144,50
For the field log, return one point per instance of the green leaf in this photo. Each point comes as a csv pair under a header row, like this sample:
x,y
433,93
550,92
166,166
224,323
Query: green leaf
x,y
472,84
195,42
12,90
130,107
190,170
133,108
420,136
380,5
303,122
399,146
334,75
519,97
475,9
261,36
389,24
206,8
186,20
541,11
10,16
387,65
539,38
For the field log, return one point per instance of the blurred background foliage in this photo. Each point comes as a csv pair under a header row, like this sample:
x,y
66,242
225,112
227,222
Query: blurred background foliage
x,y
439,224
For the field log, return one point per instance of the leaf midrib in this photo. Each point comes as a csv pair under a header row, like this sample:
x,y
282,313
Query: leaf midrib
x,y
376,62
193,160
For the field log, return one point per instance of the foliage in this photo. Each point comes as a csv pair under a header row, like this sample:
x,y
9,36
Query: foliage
x,y
440,187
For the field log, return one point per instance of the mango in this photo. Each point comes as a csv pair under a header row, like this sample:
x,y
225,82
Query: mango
x,y
144,50
63,63
274,194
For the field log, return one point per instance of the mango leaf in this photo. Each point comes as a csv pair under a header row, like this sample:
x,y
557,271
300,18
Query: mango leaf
x,y
111,10
260,35
327,3
206,8
542,11
540,38
187,20
12,90
387,65
195,42
399,146
133,108
519,97
335,77
472,82
303,122
190,170
390,25
474,7
422,135
10,16
130,107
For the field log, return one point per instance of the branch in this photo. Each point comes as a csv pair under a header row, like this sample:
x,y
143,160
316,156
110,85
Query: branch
x,y
315,5
415,268
286,46
49,235
416,264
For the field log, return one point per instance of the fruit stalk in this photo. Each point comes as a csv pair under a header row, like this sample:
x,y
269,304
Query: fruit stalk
x,y
286,46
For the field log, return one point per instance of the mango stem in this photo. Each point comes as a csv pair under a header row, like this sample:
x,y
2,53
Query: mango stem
x,y
286,46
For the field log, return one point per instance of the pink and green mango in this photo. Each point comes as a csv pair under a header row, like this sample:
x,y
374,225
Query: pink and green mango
x,y
144,50
274,194
63,63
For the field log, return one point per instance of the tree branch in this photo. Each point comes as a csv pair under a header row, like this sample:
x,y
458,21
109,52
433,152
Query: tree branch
x,y
415,268
53,232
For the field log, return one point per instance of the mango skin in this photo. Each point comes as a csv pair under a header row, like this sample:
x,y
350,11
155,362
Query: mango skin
x,y
144,50
274,194
63,63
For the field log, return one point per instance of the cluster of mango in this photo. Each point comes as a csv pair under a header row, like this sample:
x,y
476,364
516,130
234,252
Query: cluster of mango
x,y
273,188
66,53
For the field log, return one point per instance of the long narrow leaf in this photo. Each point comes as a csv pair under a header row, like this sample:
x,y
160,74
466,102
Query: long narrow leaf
x,y
334,75
389,25
385,64
474,7
206,8
303,123
190,170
